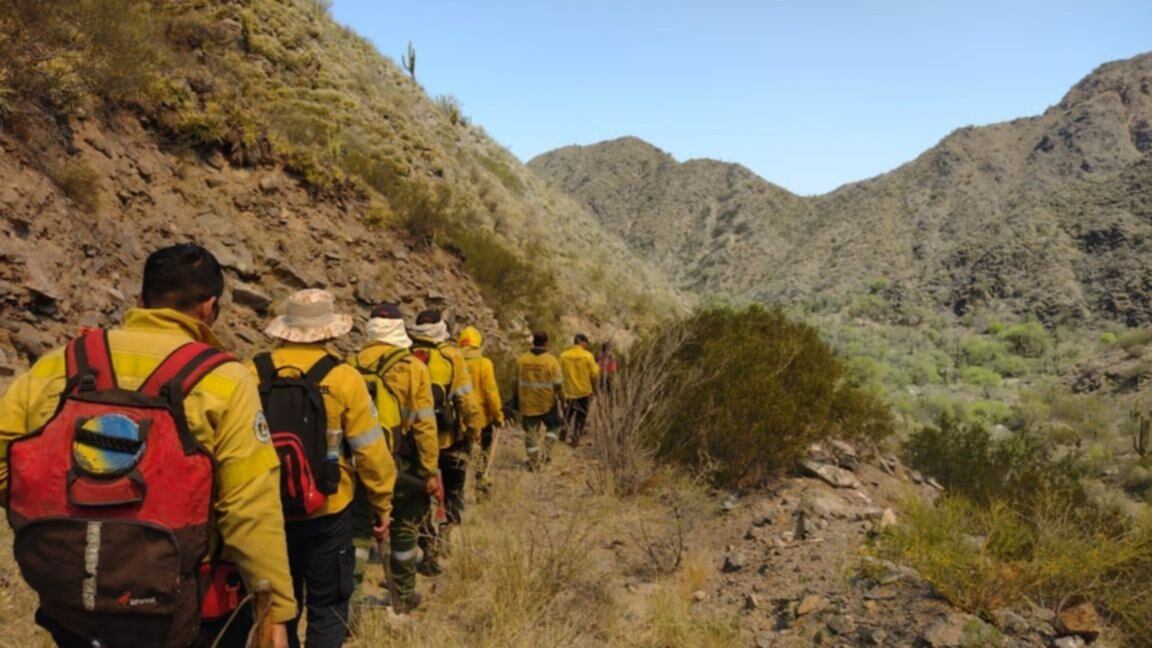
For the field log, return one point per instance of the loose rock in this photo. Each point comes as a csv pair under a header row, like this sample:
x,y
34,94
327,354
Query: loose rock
x,y
834,476
733,562
1080,620
811,604
251,296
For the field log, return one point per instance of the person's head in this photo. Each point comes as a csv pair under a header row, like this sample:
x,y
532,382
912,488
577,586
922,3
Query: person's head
x,y
539,340
387,311
470,338
186,278
430,316
581,340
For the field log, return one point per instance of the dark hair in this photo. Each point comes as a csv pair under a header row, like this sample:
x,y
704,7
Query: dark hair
x,y
181,277
580,337
430,316
387,311
539,339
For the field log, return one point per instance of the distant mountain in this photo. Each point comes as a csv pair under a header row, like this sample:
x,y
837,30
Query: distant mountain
x,y
1047,216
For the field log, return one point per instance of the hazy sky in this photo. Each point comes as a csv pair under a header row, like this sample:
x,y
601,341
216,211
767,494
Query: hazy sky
x,y
809,94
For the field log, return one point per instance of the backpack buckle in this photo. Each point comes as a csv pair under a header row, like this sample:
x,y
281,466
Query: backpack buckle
x,y
87,382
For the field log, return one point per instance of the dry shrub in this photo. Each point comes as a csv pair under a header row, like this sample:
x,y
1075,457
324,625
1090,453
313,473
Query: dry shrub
x,y
984,557
625,419
768,388
79,182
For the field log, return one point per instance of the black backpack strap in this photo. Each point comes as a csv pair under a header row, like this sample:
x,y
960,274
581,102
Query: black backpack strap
x,y
265,369
321,369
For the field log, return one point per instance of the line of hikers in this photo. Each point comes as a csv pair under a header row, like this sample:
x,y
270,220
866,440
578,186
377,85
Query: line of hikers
x,y
152,480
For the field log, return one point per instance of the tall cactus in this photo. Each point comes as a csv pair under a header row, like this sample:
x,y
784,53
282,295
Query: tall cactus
x,y
409,61
1140,431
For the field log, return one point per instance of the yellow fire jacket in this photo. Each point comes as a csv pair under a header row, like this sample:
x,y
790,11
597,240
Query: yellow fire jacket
x,y
223,413
448,369
580,371
484,382
416,416
538,377
349,408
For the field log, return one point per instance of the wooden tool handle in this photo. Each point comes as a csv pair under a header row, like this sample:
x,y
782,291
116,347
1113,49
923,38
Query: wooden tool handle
x,y
262,610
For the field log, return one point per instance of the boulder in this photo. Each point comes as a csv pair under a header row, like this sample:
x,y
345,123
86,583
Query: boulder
x,y
833,475
1080,620
824,504
947,632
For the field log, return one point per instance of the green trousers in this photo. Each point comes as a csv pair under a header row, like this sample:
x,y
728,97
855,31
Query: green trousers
x,y
541,453
410,506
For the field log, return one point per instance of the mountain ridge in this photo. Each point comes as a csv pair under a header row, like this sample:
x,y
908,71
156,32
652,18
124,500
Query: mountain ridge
x,y
995,218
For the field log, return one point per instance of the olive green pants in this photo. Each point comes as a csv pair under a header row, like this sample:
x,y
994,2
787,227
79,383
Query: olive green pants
x,y
410,506
551,424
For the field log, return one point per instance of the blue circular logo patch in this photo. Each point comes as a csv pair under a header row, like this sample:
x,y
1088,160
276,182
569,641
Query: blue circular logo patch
x,y
110,445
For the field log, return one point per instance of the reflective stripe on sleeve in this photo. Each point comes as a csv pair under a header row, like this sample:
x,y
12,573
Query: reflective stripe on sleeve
x,y
463,390
234,473
362,441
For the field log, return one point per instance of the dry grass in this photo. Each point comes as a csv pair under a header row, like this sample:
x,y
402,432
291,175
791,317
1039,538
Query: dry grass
x,y
545,562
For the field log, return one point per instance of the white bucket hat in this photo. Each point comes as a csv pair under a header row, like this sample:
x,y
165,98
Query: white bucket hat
x,y
309,316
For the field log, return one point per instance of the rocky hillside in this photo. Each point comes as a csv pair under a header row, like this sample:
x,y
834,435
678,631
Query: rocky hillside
x,y
284,142
1045,216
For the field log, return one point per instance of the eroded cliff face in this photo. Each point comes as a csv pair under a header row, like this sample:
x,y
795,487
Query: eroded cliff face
x,y
83,204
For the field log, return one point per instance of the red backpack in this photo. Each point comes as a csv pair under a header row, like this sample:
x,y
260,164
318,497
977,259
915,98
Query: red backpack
x,y
111,501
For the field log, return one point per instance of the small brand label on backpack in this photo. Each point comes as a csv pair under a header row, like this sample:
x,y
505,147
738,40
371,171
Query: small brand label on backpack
x,y
127,600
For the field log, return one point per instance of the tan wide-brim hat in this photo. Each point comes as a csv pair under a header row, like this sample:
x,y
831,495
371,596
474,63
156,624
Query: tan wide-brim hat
x,y
309,316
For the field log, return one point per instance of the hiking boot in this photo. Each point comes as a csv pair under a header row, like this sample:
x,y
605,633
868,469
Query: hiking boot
x,y
429,567
405,605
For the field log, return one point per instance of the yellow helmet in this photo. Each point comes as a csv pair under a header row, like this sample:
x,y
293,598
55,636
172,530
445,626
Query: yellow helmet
x,y
470,337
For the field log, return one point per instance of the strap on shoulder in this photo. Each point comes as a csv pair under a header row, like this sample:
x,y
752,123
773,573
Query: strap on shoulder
x,y
89,362
388,361
265,369
183,369
322,368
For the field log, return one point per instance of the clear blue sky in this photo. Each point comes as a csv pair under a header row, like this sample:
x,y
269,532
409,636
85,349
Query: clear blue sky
x,y
809,94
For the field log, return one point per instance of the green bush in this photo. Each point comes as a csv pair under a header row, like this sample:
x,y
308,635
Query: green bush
x,y
1029,340
927,368
981,377
968,462
977,351
759,390
1012,366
